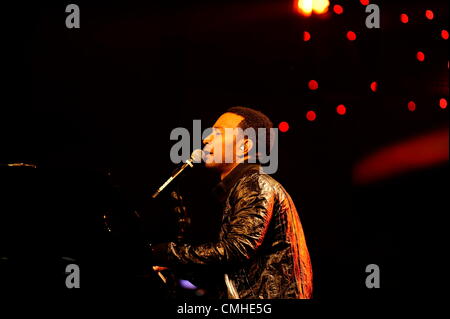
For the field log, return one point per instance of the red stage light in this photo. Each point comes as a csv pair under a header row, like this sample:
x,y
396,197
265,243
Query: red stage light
x,y
429,14
443,103
444,34
311,115
306,36
404,18
374,86
351,35
283,127
411,106
420,56
364,2
313,85
338,9
341,109
405,156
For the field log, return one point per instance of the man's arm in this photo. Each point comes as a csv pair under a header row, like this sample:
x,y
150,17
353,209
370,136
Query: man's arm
x,y
253,207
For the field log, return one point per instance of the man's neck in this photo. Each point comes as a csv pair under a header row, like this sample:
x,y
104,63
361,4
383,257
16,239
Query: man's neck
x,y
228,171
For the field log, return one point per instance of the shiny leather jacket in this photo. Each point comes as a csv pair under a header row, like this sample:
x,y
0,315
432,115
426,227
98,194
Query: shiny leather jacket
x,y
261,244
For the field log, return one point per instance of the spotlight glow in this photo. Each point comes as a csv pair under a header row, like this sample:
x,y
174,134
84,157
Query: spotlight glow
x,y
306,36
341,109
351,36
283,127
420,56
307,7
404,18
338,9
374,86
320,6
313,85
429,14
311,116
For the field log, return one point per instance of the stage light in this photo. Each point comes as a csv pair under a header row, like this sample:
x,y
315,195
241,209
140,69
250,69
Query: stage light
x,y
374,86
404,18
341,109
311,116
364,2
313,85
420,56
338,9
351,35
306,7
283,127
443,103
429,14
444,34
411,106
320,6
416,153
306,36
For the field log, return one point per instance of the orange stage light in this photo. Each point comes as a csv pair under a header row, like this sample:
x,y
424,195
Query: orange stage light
x,y
307,7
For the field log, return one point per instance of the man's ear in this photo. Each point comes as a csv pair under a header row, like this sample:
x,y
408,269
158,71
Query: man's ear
x,y
246,147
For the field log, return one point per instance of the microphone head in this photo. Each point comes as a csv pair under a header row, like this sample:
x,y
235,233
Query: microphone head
x,y
197,155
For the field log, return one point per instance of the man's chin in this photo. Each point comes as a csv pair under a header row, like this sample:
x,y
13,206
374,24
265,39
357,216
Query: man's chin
x,y
213,165
219,167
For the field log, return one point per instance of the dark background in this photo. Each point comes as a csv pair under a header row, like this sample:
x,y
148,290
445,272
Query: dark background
x,y
93,108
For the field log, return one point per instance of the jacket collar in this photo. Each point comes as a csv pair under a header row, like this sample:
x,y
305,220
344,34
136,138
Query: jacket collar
x,y
223,189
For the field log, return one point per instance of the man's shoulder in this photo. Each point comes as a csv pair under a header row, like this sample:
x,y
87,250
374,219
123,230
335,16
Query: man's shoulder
x,y
257,180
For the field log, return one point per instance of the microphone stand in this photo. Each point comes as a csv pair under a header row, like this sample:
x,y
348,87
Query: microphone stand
x,y
171,178
183,221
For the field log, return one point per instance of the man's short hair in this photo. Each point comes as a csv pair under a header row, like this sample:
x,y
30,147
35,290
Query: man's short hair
x,y
254,119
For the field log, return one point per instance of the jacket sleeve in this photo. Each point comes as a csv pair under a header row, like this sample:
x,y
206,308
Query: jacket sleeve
x,y
244,231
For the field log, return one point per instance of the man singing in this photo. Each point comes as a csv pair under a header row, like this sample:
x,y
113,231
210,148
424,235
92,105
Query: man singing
x,y
261,244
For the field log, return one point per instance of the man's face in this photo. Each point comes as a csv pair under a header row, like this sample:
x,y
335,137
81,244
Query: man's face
x,y
220,148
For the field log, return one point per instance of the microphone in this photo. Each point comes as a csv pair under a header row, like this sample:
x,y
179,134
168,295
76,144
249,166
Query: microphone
x,y
196,157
